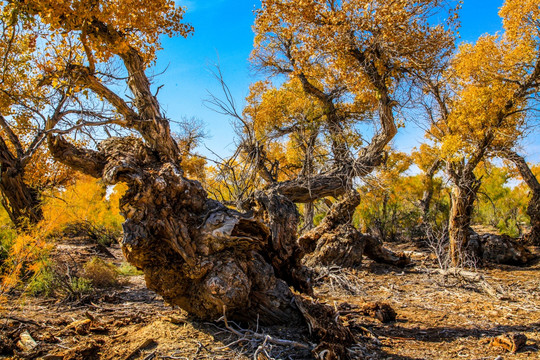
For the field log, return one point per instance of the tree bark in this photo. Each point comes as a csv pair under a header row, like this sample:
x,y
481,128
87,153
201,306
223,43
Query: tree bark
x,y
459,227
337,242
193,251
22,202
427,196
533,208
309,215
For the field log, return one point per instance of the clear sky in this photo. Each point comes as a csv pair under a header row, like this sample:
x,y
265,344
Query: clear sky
x,y
223,34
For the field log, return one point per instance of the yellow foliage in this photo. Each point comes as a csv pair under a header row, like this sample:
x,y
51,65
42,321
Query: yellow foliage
x,y
489,82
110,27
351,43
27,258
86,200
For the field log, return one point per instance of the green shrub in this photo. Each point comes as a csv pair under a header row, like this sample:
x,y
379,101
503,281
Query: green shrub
x,y
43,283
80,286
126,269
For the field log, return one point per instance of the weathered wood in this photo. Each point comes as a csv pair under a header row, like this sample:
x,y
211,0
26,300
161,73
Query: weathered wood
x,y
337,242
193,251
459,227
21,202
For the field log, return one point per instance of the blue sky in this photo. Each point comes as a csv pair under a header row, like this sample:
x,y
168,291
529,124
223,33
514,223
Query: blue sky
x,y
223,34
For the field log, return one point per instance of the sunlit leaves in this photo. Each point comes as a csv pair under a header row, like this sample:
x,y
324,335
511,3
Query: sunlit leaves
x,y
362,44
488,86
111,27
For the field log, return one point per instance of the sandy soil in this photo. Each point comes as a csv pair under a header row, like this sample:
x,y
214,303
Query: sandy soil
x,y
439,316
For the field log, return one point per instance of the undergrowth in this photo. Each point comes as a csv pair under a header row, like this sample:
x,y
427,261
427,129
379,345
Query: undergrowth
x,y
87,209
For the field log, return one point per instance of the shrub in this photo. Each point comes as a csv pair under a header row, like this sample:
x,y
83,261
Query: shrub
x,y
101,274
80,286
43,283
85,208
27,259
126,269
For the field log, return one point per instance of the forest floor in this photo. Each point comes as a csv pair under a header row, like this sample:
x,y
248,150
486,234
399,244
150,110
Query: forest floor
x,y
439,316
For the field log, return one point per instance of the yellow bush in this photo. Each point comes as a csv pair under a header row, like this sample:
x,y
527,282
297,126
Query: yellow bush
x,y
26,260
87,200
102,274
24,256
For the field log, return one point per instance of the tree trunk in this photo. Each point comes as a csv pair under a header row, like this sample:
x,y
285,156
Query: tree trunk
x,y
337,242
533,209
427,196
309,215
195,252
22,203
462,205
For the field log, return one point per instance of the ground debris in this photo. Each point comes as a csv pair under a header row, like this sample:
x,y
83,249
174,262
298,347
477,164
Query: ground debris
x,y
324,324
379,310
145,344
81,327
510,342
86,350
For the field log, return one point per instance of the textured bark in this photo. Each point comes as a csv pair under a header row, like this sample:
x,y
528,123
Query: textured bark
x,y
427,196
375,250
309,215
500,249
459,227
282,216
22,202
533,209
195,252
337,242
334,338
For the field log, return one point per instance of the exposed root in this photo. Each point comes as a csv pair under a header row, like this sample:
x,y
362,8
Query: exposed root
x,y
257,344
335,340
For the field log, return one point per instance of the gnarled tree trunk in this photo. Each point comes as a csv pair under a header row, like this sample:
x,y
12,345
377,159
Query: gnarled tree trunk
x,y
22,202
459,227
200,255
195,252
337,242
